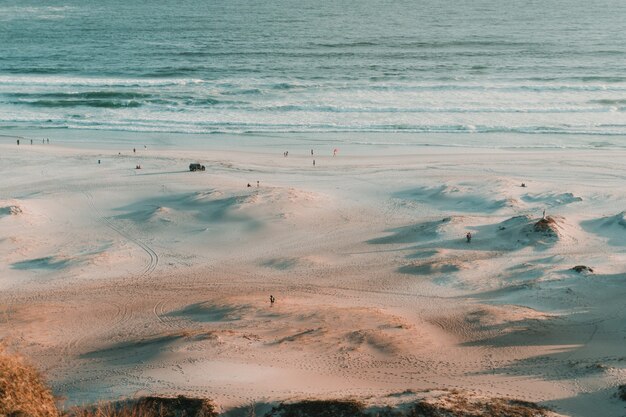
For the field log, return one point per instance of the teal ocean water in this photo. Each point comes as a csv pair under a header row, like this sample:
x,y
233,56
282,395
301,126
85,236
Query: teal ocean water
x,y
204,66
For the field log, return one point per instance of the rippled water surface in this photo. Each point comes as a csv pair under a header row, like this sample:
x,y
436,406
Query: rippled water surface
x,y
550,66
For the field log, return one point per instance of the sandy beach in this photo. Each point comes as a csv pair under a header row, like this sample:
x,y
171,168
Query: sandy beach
x,y
119,282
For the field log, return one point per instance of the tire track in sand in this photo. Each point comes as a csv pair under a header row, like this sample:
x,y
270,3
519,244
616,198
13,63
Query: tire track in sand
x,y
125,313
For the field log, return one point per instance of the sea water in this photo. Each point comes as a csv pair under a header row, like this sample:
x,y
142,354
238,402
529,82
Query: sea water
x,y
237,66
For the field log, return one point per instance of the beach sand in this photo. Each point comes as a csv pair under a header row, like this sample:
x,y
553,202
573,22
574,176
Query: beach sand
x,y
120,282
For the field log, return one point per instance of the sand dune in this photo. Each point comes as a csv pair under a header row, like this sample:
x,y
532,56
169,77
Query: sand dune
x,y
122,282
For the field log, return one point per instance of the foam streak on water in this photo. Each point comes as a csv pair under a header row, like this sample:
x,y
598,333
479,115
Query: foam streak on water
x,y
237,66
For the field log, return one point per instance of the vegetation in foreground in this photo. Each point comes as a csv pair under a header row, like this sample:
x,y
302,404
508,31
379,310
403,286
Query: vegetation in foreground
x,y
23,393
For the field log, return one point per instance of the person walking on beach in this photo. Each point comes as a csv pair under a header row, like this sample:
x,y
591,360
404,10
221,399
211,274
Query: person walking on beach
x,y
31,141
134,150
257,184
18,142
272,299
314,162
311,152
468,236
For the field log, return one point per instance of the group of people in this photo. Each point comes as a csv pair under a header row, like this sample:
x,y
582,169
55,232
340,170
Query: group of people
x,y
286,154
44,141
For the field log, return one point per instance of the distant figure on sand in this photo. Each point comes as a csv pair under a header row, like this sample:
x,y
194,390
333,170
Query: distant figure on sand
x,y
47,140
257,184
134,150
31,141
249,185
523,185
272,299
468,236
18,142
311,152
98,162
314,162
335,151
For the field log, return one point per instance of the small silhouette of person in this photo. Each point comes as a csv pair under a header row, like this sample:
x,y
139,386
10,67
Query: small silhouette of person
x,y
523,185
134,150
18,142
257,184
249,185
314,162
272,299
47,140
543,216
468,236
31,141
311,152
98,161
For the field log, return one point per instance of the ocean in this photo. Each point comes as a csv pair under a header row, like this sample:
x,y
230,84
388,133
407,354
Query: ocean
x,y
249,66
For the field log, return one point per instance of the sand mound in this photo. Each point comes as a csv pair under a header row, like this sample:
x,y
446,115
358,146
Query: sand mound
x,y
419,232
522,231
281,264
212,313
551,199
548,226
612,228
191,213
432,267
455,198
45,263
22,390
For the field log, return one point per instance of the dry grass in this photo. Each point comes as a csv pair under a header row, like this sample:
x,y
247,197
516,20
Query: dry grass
x,y
150,407
23,392
319,408
462,406
547,226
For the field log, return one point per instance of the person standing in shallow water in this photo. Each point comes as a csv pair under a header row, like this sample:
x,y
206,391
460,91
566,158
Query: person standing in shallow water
x,y
468,236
